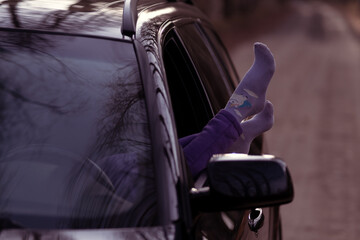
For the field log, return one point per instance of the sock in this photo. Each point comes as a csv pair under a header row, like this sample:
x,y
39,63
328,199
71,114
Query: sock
x,y
254,127
249,96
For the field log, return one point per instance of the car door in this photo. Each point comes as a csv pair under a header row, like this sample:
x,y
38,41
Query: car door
x,y
201,79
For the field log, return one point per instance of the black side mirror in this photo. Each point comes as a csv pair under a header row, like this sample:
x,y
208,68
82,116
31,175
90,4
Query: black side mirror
x,y
240,181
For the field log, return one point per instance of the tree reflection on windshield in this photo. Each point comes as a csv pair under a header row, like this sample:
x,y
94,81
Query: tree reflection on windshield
x,y
75,149
69,19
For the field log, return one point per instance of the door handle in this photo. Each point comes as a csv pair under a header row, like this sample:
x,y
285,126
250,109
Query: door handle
x,y
256,219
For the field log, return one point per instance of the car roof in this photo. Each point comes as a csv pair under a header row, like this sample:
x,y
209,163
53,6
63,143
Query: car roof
x,y
89,17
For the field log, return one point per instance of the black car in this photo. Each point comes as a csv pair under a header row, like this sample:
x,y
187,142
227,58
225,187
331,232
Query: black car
x,y
94,96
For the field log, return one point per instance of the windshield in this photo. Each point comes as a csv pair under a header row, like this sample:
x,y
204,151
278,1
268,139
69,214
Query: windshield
x,y
74,139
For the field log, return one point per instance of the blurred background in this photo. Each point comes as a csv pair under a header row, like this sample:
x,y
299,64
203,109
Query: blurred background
x,y
316,95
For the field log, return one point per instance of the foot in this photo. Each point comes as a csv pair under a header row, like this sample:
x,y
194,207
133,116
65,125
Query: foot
x,y
249,97
254,127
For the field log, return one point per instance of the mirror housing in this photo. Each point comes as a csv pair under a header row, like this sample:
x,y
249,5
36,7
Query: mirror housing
x,y
241,181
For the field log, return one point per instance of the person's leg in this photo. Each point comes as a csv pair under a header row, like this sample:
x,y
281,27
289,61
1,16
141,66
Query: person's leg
x,y
249,97
254,127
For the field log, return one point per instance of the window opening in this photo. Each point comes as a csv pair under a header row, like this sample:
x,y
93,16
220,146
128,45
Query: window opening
x,y
190,102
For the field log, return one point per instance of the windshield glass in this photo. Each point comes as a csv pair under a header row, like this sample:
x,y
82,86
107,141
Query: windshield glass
x,y
74,140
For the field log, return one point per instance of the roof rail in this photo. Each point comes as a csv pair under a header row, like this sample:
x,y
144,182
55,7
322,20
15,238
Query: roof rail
x,y
129,18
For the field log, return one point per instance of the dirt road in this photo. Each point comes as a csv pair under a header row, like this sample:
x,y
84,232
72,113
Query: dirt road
x,y
316,94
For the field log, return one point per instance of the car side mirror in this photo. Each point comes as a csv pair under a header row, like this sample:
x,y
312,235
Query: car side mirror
x,y
240,181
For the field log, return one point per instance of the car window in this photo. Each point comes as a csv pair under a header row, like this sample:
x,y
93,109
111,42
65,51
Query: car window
x,y
216,82
200,75
189,100
75,149
220,55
